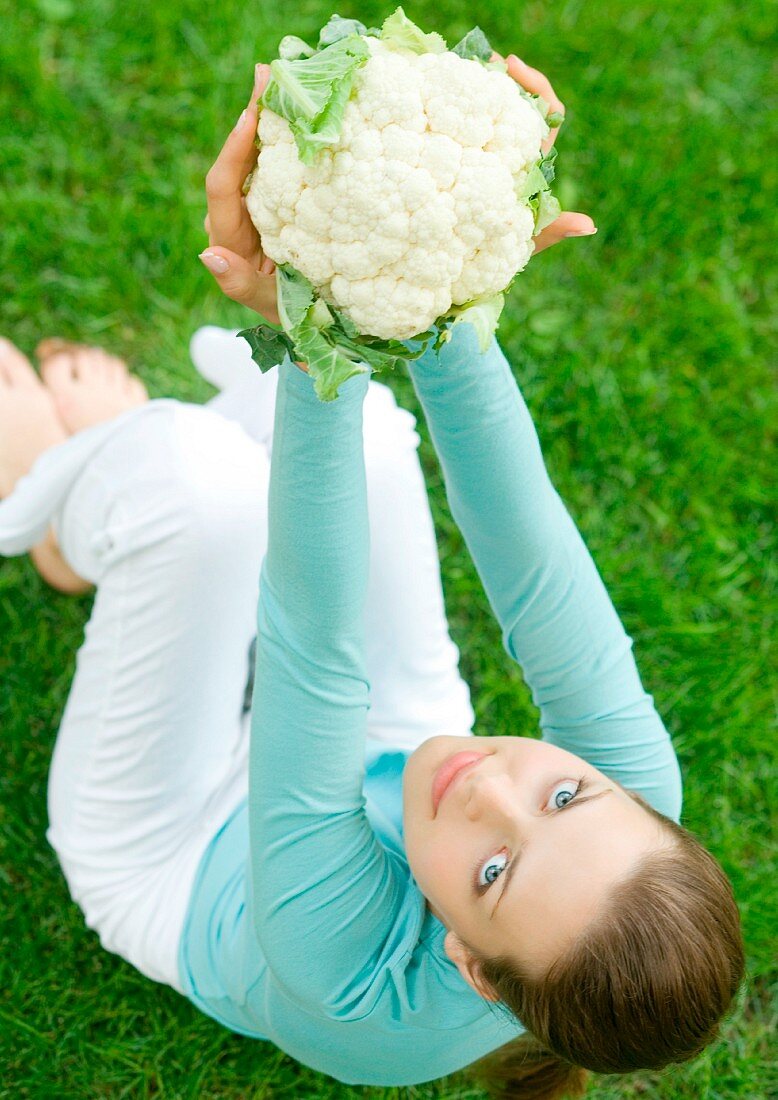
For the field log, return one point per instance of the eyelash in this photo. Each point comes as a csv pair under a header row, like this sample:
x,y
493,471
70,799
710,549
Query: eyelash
x,y
582,784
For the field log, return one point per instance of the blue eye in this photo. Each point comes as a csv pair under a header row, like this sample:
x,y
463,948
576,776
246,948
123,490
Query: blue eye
x,y
565,792
493,871
562,794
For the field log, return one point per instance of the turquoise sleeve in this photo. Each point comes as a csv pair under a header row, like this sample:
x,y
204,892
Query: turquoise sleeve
x,y
555,614
329,904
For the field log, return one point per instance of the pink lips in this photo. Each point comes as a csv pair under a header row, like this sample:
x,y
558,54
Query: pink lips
x,y
448,770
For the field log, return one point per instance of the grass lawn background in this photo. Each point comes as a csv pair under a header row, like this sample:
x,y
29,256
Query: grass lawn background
x,y
643,354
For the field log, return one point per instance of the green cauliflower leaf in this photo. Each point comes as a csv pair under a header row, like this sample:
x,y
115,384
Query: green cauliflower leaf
x,y
399,33
311,93
292,48
268,345
474,46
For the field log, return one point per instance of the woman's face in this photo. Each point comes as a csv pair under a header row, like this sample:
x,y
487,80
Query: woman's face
x,y
523,848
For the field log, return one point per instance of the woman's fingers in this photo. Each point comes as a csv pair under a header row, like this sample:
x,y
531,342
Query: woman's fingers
x,y
235,250
224,181
532,80
568,224
207,219
241,281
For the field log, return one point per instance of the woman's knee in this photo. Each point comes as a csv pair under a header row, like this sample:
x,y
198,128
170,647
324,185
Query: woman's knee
x,y
189,484
195,527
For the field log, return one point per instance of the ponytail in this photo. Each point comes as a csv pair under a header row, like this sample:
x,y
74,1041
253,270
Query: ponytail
x,y
525,1068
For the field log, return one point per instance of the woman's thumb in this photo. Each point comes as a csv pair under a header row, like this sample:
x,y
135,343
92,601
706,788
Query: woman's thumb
x,y
568,224
237,278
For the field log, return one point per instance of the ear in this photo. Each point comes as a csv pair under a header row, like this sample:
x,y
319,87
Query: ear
x,y
467,966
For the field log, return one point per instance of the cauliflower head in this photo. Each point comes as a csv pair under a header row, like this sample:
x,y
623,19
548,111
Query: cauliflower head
x,y
398,188
418,205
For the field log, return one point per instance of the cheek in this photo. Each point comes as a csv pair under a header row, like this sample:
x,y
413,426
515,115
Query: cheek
x,y
433,849
433,874
436,861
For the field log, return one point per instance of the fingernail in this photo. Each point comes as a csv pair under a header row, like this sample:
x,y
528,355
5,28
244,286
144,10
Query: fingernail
x,y
259,72
515,58
582,233
217,264
241,120
267,267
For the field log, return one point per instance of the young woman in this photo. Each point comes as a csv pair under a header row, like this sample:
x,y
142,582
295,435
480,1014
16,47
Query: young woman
x,y
331,860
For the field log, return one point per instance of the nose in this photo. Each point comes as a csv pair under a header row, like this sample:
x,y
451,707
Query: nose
x,y
490,795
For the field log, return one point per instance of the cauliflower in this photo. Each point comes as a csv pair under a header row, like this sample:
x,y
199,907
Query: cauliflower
x,y
398,186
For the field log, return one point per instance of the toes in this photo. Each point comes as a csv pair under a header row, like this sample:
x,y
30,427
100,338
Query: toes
x,y
51,346
88,365
123,368
15,368
76,363
116,369
137,390
57,371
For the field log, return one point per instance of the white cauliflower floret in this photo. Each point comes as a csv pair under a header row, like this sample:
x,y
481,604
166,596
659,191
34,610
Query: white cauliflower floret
x,y
415,208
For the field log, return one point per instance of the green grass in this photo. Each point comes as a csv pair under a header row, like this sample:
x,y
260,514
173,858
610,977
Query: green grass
x,y
643,353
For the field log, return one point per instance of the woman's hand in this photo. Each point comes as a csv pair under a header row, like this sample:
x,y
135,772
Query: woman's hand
x,y
567,224
234,255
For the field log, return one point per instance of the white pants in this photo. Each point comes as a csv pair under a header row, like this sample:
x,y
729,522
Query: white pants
x,y
169,519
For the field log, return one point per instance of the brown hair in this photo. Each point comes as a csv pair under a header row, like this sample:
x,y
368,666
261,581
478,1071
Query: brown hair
x,y
645,985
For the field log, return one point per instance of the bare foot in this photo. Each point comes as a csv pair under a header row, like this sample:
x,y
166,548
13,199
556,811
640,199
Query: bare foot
x,y
87,384
29,425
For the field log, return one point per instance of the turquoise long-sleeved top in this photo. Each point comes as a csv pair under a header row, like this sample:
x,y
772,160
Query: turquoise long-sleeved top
x,y
305,925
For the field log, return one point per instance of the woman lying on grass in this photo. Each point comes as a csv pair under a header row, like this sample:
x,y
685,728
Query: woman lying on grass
x,y
342,867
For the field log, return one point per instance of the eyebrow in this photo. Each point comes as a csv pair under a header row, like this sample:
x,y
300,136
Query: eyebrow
x,y
563,809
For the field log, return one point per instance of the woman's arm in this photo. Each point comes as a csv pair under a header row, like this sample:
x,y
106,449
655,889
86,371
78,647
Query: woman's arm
x,y
557,620
330,905
332,910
